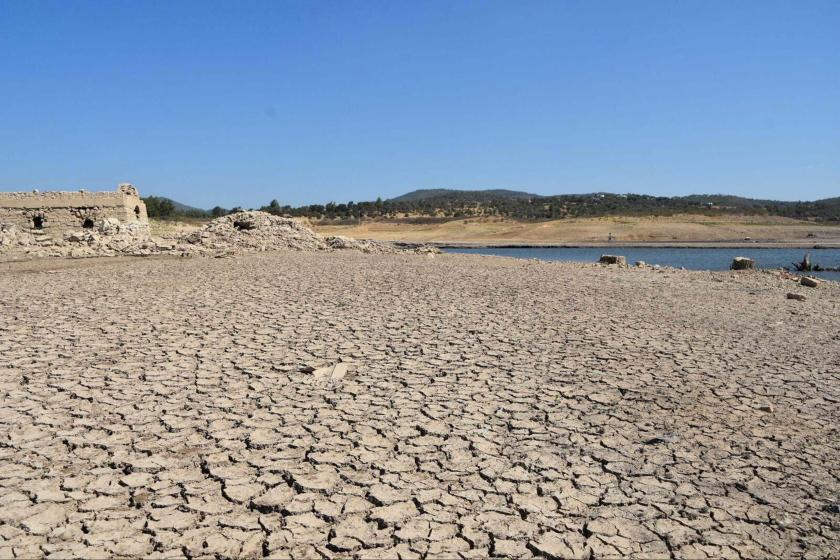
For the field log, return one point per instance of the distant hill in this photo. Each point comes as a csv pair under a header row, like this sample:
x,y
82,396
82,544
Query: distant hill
x,y
181,208
456,194
441,204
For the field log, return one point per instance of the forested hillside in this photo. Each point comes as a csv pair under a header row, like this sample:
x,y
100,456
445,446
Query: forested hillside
x,y
443,204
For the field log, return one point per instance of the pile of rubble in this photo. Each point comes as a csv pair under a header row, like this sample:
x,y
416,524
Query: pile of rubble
x,y
260,231
108,237
252,231
366,245
240,232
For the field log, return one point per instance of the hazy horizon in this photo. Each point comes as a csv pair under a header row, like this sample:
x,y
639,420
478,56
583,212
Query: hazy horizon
x,y
211,103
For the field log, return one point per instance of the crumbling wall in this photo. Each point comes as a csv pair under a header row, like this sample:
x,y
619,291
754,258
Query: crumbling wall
x,y
60,211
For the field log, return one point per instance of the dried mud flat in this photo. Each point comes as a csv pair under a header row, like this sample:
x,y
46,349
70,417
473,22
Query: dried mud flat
x,y
487,407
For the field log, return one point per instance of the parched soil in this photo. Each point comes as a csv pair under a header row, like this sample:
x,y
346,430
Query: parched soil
x,y
673,229
346,404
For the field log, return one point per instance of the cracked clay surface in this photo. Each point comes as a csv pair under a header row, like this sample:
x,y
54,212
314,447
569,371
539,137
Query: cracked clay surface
x,y
311,405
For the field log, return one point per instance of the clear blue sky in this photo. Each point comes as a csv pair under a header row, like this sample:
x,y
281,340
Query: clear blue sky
x,y
237,103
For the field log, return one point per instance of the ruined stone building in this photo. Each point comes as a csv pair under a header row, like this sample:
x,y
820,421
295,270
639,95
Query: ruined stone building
x,y
57,212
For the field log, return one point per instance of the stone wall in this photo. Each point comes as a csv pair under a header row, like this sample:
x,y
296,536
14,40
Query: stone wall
x,y
55,212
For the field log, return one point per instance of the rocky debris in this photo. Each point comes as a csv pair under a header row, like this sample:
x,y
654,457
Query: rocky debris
x,y
238,233
170,407
798,297
108,237
8,235
620,260
641,264
742,263
809,281
254,231
250,231
363,245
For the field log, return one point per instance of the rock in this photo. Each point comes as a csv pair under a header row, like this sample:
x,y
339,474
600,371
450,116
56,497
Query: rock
x,y
809,281
620,260
641,264
665,438
335,372
798,297
108,225
742,263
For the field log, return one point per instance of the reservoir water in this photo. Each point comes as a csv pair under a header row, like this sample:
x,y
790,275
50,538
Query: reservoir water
x,y
691,258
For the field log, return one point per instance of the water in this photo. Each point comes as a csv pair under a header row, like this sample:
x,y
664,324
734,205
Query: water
x,y
691,258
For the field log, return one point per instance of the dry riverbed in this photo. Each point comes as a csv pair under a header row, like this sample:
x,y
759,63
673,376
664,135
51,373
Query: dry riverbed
x,y
167,407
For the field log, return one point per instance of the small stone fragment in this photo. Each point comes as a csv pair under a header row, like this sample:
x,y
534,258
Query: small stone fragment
x,y
620,260
809,281
742,263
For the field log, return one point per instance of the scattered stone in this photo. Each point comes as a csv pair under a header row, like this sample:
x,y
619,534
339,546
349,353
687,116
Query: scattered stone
x,y
809,282
334,372
665,438
742,263
620,260
798,297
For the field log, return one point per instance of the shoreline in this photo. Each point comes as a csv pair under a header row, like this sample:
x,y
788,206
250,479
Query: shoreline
x,y
632,244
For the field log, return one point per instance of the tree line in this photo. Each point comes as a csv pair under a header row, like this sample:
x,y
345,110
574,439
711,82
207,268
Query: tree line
x,y
459,204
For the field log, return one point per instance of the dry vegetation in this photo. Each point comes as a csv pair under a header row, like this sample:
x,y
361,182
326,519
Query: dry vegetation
x,y
681,229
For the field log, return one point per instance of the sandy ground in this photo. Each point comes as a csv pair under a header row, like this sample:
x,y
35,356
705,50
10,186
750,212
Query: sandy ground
x,y
679,229
187,407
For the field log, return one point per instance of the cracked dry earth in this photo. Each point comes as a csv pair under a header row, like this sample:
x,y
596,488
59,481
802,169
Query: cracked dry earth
x,y
480,407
